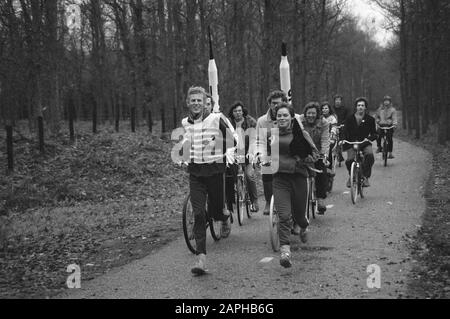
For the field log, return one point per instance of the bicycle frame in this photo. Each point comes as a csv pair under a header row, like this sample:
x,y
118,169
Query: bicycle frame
x,y
385,143
356,176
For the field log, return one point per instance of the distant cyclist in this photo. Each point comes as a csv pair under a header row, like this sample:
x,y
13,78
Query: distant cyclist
x,y
358,127
243,123
386,116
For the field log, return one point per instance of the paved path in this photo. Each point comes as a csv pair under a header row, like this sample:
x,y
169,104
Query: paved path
x,y
333,264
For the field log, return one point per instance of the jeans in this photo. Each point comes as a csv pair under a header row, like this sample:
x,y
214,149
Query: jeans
x,y
250,177
290,193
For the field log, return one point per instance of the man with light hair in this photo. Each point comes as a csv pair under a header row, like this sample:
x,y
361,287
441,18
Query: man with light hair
x,y
210,143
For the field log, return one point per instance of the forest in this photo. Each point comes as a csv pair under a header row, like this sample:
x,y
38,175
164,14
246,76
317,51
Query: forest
x,y
109,61
91,89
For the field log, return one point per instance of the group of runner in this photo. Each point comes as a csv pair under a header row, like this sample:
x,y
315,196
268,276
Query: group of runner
x,y
282,144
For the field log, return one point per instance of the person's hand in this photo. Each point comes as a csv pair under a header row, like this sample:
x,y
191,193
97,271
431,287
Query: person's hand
x,y
250,157
182,163
309,159
230,155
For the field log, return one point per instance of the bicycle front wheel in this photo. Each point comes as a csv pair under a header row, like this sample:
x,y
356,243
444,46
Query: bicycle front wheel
x,y
214,225
385,153
354,181
273,226
188,224
360,184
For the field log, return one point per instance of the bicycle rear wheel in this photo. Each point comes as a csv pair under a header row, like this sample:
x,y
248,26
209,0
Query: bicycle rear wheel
x,y
273,226
354,181
188,224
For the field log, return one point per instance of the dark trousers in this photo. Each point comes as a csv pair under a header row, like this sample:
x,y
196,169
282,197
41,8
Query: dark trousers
x,y
290,192
330,155
202,187
321,180
367,163
230,179
267,184
390,141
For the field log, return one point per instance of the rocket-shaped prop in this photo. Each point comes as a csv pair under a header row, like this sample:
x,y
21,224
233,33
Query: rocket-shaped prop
x,y
213,77
285,76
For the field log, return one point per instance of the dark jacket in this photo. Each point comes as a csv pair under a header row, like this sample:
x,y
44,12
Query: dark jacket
x,y
354,133
299,145
342,113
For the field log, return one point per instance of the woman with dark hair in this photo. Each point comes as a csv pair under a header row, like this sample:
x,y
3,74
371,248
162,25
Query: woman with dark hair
x,y
290,187
318,129
245,127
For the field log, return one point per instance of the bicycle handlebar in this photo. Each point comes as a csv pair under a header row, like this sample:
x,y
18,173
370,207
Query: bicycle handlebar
x,y
386,128
355,143
315,170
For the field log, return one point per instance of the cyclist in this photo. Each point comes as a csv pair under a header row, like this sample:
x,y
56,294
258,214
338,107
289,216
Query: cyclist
x,y
329,115
358,127
319,130
243,124
207,140
262,147
290,188
386,116
342,113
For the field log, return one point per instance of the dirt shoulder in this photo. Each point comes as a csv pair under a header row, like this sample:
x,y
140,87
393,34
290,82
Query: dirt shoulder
x,y
99,203
430,277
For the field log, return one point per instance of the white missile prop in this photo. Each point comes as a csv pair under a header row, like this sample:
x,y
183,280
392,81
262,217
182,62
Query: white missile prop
x,y
213,77
285,76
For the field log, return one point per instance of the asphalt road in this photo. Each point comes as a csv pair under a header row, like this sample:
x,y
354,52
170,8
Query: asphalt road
x,y
333,264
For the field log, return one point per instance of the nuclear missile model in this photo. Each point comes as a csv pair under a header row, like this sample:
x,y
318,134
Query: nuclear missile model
x,y
285,76
213,77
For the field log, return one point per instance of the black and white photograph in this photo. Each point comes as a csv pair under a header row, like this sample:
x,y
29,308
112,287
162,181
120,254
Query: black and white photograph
x,y
225,156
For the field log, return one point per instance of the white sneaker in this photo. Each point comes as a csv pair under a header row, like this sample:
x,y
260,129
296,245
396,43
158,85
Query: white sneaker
x,y
285,256
200,266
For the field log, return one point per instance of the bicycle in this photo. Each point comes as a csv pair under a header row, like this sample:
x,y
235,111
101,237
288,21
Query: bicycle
x,y
356,176
336,154
242,197
384,149
312,206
